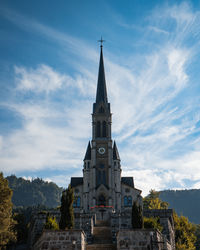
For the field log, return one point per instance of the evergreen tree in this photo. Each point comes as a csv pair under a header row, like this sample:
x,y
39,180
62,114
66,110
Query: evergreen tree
x,y
66,209
6,222
21,227
137,216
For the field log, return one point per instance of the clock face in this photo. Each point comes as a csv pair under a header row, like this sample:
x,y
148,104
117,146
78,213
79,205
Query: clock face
x,y
101,150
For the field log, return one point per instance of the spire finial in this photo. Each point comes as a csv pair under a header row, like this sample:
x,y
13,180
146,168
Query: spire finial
x,y
101,41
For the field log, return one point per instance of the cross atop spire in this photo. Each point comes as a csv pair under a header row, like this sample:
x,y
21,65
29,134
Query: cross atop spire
x,y
101,41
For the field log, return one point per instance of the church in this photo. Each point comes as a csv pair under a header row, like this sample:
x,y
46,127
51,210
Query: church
x,y
102,185
103,198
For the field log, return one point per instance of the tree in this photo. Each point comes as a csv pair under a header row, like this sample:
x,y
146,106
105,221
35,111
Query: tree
x,y
184,233
51,223
7,234
152,201
197,234
21,227
66,209
153,222
137,216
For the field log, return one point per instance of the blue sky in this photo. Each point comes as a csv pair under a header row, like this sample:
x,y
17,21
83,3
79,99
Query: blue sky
x,y
48,75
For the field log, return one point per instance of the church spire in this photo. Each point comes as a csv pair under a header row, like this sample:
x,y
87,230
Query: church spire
x,y
115,152
88,152
101,95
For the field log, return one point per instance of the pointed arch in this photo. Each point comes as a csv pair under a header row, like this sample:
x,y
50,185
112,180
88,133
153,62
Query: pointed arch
x,y
98,130
101,110
104,129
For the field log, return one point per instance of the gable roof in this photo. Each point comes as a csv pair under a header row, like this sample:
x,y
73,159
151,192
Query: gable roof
x,y
76,181
127,181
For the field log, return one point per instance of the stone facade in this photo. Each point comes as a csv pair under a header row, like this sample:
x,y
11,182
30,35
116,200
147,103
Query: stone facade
x,y
56,240
143,239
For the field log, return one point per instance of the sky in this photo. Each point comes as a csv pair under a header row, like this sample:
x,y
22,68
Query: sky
x,y
49,58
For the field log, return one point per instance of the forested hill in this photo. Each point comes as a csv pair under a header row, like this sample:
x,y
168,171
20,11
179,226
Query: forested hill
x,y
32,193
184,202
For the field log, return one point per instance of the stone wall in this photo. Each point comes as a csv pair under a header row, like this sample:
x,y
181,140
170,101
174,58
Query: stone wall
x,y
84,221
38,221
56,240
166,220
142,239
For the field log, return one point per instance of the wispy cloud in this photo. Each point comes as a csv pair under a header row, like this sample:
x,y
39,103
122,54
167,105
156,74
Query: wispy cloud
x,y
42,79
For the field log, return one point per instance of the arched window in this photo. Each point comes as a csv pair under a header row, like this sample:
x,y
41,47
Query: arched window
x,y
101,175
125,201
104,129
129,201
98,132
77,202
101,110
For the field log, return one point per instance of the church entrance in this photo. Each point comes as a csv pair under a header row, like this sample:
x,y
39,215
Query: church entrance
x,y
101,200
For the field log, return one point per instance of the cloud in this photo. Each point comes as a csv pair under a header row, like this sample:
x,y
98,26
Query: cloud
x,y
158,30
42,79
176,63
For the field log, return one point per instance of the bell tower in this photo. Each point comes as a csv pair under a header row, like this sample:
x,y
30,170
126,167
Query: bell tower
x,y
102,189
101,139
99,180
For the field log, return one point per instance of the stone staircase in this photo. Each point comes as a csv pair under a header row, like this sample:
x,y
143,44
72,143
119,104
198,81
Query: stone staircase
x,y
102,237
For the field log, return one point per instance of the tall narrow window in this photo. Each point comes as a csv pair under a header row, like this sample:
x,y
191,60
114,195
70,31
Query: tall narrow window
x,y
98,129
103,177
104,129
78,202
125,201
101,110
129,201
